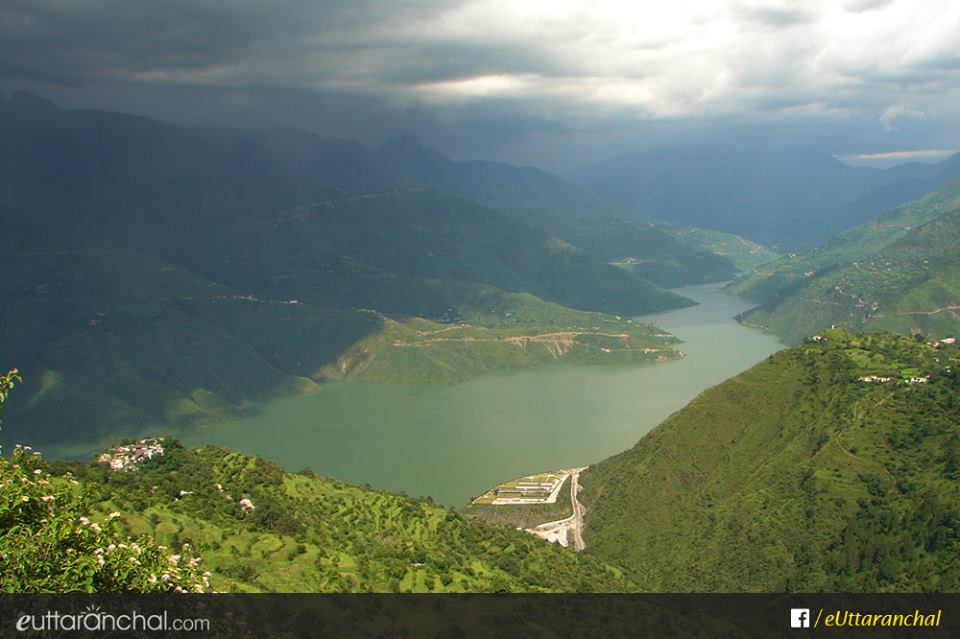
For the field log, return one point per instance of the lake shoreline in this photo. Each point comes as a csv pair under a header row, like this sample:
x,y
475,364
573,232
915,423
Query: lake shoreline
x,y
454,442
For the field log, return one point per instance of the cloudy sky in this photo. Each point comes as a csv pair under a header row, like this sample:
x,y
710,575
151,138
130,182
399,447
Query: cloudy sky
x,y
526,80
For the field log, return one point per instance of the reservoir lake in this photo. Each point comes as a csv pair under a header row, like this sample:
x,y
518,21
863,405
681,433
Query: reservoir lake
x,y
454,442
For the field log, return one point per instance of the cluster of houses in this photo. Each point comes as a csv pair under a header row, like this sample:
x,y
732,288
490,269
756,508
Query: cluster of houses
x,y
128,456
874,379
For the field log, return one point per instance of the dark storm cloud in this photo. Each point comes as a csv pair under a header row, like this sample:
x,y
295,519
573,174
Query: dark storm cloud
x,y
483,72
82,42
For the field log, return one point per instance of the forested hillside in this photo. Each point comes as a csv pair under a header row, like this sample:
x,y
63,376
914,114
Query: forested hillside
x,y
832,466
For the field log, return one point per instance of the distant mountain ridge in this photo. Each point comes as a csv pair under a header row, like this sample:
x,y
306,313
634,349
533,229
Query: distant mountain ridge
x,y
47,146
787,200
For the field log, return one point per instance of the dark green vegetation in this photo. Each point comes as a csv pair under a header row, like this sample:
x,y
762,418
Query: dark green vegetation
x,y
638,246
307,533
158,277
359,250
899,272
796,475
788,200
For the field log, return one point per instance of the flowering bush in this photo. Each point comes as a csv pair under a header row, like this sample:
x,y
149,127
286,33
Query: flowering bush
x,y
48,545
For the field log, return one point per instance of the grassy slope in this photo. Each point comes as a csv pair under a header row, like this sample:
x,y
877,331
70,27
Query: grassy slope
x,y
315,534
500,330
525,516
795,476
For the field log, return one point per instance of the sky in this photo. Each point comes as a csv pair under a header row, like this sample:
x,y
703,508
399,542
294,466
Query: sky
x,y
550,82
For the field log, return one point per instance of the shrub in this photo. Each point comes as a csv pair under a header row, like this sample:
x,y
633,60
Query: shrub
x,y
48,545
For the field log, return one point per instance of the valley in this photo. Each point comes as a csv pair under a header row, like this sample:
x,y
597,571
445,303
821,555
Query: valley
x,y
317,363
454,442
897,272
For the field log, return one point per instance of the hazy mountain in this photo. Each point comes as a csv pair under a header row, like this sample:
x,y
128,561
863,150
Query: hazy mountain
x,y
787,200
638,246
795,475
495,184
745,254
898,272
48,153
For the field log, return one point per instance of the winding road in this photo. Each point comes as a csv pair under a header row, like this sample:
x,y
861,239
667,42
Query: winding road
x,y
562,530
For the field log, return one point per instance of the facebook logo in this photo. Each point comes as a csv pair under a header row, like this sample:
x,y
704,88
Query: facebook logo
x,y
799,617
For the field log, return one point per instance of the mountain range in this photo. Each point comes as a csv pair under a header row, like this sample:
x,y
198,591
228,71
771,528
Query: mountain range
x,y
788,200
160,276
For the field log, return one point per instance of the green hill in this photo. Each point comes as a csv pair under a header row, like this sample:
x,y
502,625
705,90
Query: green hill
x,y
305,533
796,475
898,272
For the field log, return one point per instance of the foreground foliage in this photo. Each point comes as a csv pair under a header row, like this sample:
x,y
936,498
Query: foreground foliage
x,y
49,541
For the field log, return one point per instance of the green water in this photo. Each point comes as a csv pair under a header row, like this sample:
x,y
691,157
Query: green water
x,y
453,442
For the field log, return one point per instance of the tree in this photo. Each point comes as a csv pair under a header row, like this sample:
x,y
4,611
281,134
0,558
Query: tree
x,y
6,385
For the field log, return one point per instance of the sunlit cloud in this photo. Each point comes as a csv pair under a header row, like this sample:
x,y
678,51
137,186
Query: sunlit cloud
x,y
883,60
898,157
